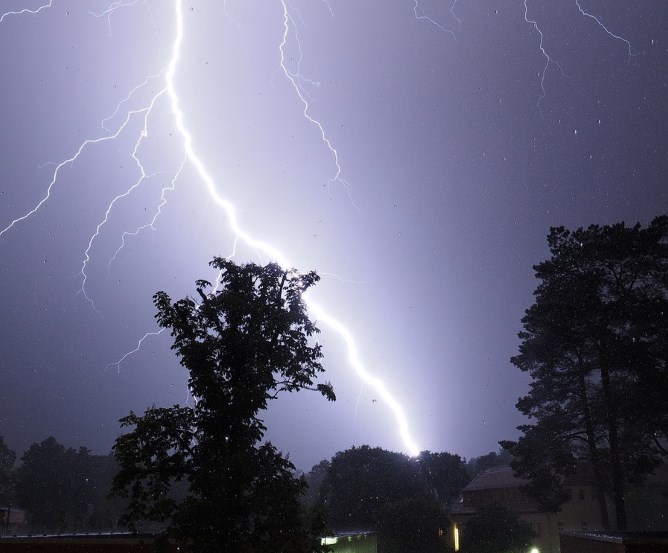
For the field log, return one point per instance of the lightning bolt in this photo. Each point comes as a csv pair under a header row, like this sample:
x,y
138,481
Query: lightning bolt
x,y
169,91
142,177
600,24
320,313
329,7
548,59
225,12
20,12
69,161
151,223
359,398
297,80
111,9
454,16
117,364
422,17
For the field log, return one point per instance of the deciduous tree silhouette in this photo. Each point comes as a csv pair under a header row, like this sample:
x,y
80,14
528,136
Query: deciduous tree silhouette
x,y
495,529
243,343
445,474
55,486
361,480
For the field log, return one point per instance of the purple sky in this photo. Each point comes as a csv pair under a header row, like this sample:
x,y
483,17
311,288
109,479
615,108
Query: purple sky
x,y
454,162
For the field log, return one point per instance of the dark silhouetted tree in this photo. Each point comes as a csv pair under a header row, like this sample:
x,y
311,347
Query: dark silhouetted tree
x,y
54,485
314,479
413,525
478,465
594,343
106,511
495,529
7,459
243,344
362,479
445,474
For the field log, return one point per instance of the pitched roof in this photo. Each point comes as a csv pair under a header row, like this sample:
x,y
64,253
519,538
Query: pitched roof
x,y
496,478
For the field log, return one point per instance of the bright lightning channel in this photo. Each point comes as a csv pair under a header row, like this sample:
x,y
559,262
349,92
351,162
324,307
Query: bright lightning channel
x,y
240,234
319,312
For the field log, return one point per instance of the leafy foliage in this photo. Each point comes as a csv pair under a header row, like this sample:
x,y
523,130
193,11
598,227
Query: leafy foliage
x,y
412,525
315,479
594,344
361,480
243,344
495,529
7,459
55,485
478,465
445,474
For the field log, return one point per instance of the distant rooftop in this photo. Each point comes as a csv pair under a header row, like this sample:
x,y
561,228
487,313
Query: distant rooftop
x,y
496,478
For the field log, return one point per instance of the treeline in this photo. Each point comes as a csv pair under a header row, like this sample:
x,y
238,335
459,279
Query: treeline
x,y
403,499
593,343
61,489
443,476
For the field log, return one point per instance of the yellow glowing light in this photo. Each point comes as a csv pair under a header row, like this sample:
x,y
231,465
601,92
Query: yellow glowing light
x,y
455,532
534,550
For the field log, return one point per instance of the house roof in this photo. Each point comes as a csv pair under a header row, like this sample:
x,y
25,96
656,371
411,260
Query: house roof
x,y
496,478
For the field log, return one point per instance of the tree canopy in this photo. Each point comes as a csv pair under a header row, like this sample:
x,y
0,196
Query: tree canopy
x,y
495,529
7,459
595,343
361,480
445,474
478,465
243,343
56,486
370,488
412,525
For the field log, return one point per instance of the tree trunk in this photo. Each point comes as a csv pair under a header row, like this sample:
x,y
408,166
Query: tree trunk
x,y
599,481
613,439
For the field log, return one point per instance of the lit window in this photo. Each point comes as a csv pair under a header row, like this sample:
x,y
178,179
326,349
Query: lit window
x,y
456,535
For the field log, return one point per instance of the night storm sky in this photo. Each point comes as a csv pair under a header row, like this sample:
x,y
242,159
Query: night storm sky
x,y
454,162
